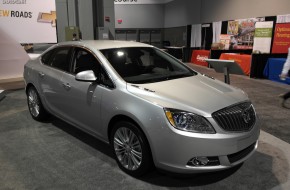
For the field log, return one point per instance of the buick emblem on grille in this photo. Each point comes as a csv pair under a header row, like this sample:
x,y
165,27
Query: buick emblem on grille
x,y
241,117
246,115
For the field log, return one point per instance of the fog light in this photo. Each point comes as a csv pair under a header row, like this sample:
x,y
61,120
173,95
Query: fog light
x,y
199,161
203,161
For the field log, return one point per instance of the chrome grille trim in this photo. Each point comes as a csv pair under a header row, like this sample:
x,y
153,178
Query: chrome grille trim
x,y
236,118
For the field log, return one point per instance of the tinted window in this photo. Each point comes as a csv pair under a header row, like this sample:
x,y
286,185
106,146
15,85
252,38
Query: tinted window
x,y
145,65
45,58
60,59
85,60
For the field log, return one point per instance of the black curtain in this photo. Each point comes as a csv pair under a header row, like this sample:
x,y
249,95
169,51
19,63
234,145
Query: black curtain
x,y
206,36
224,27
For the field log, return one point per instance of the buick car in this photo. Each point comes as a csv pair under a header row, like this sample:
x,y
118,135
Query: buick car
x,y
153,110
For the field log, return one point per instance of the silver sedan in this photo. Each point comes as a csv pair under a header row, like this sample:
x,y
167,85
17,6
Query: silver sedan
x,y
152,109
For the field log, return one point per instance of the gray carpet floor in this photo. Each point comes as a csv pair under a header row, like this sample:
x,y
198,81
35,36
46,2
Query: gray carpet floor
x,y
55,155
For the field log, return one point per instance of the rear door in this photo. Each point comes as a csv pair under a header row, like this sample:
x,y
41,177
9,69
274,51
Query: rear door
x,y
50,78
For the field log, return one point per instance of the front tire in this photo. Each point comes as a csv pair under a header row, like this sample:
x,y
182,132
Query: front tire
x,y
131,149
35,106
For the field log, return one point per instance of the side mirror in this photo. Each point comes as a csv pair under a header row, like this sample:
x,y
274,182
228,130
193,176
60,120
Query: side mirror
x,y
86,76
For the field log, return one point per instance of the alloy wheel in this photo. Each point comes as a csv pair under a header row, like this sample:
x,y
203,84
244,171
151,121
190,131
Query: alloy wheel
x,y
128,148
33,103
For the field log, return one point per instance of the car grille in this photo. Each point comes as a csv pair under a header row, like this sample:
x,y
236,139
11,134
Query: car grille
x,y
242,154
236,118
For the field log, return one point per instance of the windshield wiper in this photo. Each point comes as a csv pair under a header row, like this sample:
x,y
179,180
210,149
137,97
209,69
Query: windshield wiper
x,y
171,77
159,79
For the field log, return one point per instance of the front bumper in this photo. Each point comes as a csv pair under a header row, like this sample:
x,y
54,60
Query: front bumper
x,y
174,149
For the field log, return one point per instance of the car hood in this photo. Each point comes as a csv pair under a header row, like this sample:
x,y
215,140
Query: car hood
x,y
199,94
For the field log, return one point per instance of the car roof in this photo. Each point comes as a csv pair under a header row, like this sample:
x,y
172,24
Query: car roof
x,y
105,44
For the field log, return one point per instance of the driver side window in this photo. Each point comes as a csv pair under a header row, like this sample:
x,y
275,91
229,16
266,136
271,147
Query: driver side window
x,y
84,61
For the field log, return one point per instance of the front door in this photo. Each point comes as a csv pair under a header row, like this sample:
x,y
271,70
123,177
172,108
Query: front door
x,y
81,100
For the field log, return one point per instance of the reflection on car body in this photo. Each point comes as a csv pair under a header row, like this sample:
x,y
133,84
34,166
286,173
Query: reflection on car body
x,y
152,109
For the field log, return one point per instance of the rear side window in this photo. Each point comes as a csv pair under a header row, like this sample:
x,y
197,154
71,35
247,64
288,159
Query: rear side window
x,y
45,58
84,61
58,58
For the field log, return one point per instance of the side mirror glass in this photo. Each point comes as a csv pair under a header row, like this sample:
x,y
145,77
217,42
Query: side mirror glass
x,y
86,76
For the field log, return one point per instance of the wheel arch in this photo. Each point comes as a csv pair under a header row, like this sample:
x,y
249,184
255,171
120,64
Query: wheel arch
x,y
29,85
118,118
43,114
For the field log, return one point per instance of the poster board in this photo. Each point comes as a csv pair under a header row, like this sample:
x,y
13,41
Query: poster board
x,y
225,39
281,41
242,31
29,21
263,37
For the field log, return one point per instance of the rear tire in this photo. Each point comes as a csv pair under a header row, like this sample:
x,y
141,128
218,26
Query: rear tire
x,y
131,149
35,106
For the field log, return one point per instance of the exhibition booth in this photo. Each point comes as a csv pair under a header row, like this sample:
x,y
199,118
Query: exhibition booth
x,y
252,64
258,45
250,42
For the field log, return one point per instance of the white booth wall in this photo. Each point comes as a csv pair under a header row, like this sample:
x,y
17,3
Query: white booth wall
x,y
12,57
139,16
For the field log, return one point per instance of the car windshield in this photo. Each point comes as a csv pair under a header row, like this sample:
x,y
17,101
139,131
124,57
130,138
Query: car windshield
x,y
145,65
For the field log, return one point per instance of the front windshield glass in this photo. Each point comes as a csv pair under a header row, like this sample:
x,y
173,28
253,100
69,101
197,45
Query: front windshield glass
x,y
145,65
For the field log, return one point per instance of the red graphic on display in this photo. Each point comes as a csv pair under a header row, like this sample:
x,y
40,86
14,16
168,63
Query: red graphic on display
x,y
281,41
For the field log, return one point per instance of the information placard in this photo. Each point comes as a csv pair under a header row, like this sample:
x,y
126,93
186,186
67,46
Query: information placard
x,y
281,41
263,37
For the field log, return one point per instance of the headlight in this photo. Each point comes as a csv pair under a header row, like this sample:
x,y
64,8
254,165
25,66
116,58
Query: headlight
x,y
187,121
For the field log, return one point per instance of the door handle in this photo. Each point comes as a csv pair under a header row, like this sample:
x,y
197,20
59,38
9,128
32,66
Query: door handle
x,y
41,74
66,86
